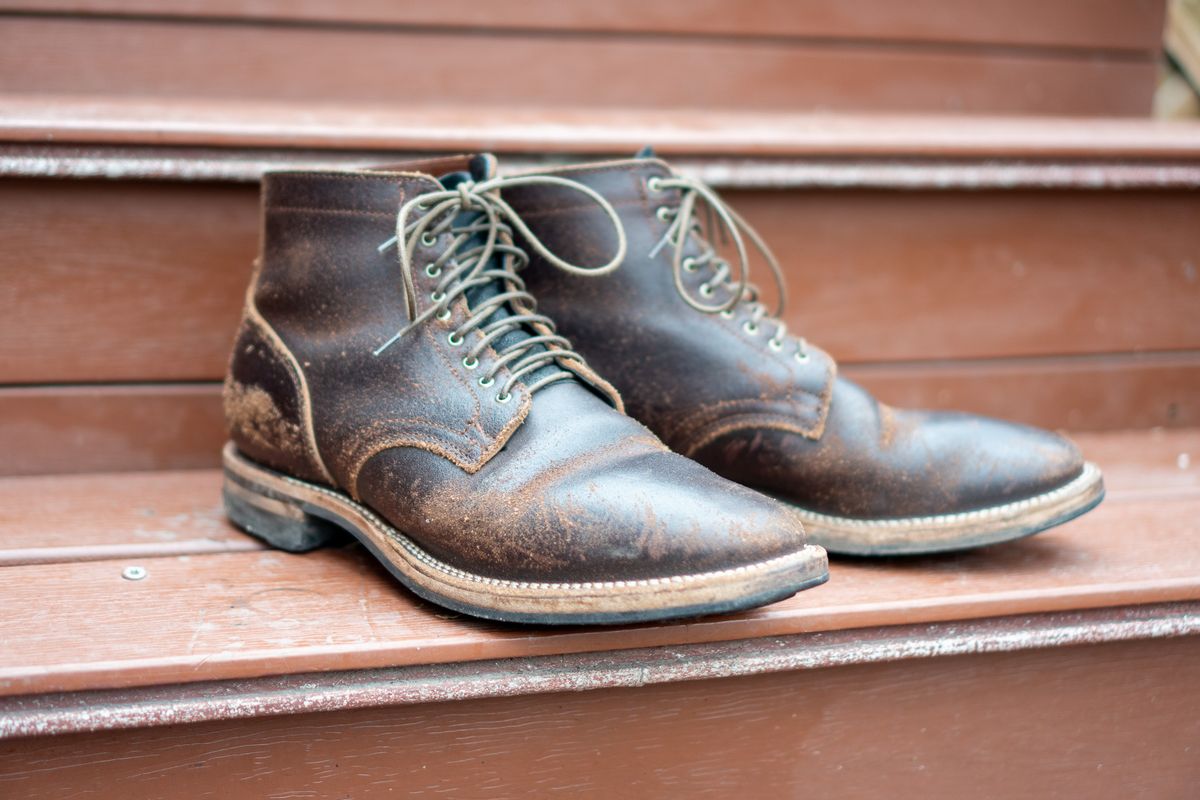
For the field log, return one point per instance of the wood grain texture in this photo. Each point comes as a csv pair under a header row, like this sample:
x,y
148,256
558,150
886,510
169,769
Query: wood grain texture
x,y
273,122
266,613
100,57
1105,721
1092,24
156,292
59,519
83,428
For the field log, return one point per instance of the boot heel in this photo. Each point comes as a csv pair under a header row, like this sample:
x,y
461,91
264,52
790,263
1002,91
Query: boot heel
x,y
278,521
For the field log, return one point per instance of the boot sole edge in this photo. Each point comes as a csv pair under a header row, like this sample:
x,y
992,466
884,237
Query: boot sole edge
x,y
298,516
958,531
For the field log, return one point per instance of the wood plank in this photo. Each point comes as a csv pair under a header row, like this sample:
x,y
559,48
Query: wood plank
x,y
945,275
1094,24
250,614
1079,394
156,294
48,55
274,123
123,281
64,518
1102,721
73,429
247,165
106,517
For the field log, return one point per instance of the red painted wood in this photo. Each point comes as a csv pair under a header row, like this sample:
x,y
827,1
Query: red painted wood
x,y
250,614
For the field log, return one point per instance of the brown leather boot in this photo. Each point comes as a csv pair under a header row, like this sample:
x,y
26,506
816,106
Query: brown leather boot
x,y
404,390
700,361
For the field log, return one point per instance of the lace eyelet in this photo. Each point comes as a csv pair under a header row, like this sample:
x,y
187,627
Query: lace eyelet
x,y
486,381
454,339
503,397
706,290
750,328
437,297
802,357
428,240
663,213
433,271
689,264
443,315
654,183
727,314
775,344
470,363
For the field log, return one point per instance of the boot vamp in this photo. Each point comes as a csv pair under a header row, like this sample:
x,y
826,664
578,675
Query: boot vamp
x,y
874,461
579,493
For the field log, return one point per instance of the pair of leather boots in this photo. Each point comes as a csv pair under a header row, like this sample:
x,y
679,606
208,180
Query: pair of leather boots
x,y
394,379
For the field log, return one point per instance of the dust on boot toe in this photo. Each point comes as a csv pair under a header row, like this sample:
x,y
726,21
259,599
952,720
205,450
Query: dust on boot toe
x,y
680,332
392,381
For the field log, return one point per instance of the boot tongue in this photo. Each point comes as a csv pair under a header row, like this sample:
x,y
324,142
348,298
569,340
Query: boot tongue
x,y
481,169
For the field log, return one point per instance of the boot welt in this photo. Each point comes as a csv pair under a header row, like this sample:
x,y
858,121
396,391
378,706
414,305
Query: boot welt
x,y
298,516
958,531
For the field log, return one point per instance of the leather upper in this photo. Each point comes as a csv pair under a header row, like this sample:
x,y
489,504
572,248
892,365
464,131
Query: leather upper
x,y
715,389
550,486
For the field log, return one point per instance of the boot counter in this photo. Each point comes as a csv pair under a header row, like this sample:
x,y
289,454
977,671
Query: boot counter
x,y
264,406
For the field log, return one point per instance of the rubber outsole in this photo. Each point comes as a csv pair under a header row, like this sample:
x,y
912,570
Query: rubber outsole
x,y
298,516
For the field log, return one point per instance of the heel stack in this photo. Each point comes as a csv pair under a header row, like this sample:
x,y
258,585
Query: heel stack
x,y
279,521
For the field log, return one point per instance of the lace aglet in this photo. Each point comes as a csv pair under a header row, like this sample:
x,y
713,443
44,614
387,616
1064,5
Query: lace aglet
x,y
661,244
386,244
387,344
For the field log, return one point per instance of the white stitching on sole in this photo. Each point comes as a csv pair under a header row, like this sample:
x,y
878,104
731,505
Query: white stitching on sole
x,y
1088,476
420,555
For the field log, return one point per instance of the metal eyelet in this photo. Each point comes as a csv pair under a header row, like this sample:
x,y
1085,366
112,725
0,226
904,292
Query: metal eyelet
x,y
775,344
454,339
503,397
750,327
443,315
470,362
433,271
486,381
727,314
706,290
654,183
802,357
437,297
663,213
421,206
428,240
689,264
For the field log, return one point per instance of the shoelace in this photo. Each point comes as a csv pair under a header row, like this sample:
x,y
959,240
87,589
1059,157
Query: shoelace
x,y
685,224
462,270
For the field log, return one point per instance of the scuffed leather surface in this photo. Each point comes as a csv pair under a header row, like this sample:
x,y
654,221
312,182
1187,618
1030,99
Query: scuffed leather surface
x,y
580,492
333,299
552,486
263,408
689,376
878,462
720,395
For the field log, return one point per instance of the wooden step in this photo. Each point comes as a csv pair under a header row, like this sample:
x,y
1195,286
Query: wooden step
x,y
938,55
215,606
1040,270
226,657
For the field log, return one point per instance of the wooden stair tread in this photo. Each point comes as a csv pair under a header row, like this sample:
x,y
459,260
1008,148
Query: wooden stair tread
x,y
1091,24
207,616
237,123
